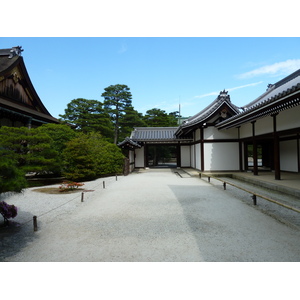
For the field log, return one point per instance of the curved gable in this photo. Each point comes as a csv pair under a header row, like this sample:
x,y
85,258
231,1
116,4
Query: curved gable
x,y
17,94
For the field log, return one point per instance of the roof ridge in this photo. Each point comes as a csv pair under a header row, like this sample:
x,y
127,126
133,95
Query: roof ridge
x,y
287,78
272,87
11,52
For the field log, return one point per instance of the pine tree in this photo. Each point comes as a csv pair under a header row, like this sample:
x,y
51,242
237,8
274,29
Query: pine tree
x,y
117,98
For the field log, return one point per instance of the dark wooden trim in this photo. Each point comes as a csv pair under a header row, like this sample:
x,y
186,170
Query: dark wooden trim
x,y
276,149
240,151
298,153
202,149
221,141
255,166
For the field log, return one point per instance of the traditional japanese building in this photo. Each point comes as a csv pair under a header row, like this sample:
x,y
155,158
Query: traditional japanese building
x,y
263,135
20,105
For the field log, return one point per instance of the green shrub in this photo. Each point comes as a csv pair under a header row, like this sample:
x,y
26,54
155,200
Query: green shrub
x,y
89,156
12,179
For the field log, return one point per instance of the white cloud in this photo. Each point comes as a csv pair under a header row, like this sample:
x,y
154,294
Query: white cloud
x,y
229,90
207,95
244,86
280,68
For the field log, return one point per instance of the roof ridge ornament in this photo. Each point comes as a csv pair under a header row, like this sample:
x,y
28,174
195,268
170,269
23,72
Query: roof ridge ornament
x,y
224,95
15,51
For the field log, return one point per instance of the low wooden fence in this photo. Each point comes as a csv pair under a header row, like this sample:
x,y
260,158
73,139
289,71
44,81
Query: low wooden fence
x,y
254,195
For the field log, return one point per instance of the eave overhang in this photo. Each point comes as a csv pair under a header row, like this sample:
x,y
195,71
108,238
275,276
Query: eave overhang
x,y
282,101
129,144
30,113
203,118
12,66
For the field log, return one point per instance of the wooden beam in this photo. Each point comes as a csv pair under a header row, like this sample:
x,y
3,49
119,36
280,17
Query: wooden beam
x,y
276,149
255,167
202,148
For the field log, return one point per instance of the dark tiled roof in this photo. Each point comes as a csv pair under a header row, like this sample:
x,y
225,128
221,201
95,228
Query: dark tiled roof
x,y
153,134
208,112
129,144
9,57
13,103
279,87
5,63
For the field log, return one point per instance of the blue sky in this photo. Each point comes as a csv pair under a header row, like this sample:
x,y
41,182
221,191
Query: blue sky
x,y
161,72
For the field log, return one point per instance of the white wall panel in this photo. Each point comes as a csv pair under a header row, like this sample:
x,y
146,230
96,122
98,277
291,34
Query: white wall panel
x,y
221,156
185,156
197,156
193,164
139,159
288,118
213,133
197,135
246,130
288,156
264,125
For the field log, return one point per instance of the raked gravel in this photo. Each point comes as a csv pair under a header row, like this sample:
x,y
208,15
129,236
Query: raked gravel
x,y
149,216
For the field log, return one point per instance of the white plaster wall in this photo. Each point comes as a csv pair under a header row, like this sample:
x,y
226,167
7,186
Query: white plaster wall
x,y
185,152
264,125
197,156
246,130
213,133
221,156
288,156
197,135
131,156
193,164
288,118
139,158
131,160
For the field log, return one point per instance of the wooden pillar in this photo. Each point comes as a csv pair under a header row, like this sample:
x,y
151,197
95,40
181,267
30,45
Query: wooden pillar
x,y
276,149
240,151
298,153
202,148
255,167
246,154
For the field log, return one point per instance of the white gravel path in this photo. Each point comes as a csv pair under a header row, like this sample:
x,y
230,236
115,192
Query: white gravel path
x,y
148,216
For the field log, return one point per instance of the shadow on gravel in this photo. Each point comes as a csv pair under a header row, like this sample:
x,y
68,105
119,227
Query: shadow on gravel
x,y
15,236
227,230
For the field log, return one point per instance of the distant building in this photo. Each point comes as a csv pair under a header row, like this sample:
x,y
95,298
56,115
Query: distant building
x,y
263,135
20,105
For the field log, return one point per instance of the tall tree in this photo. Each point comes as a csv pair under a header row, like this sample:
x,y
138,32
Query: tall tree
x,y
87,116
117,98
129,120
156,117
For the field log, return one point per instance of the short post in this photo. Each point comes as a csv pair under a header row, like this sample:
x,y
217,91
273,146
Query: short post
x,y
104,184
254,199
116,177
200,175
34,223
82,195
208,179
224,185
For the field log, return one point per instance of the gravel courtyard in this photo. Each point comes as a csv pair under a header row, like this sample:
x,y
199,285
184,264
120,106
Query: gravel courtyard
x,y
149,216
